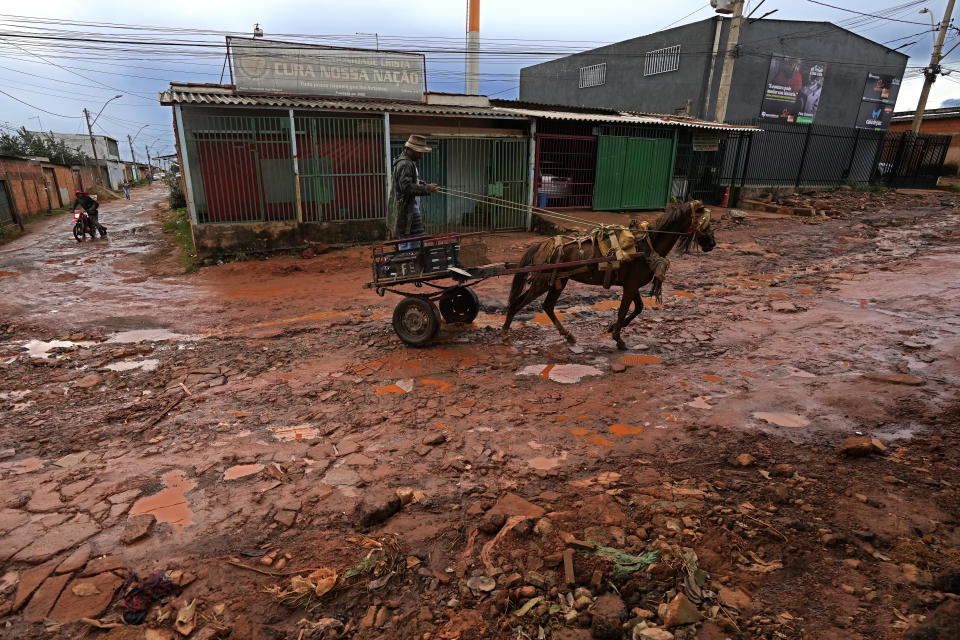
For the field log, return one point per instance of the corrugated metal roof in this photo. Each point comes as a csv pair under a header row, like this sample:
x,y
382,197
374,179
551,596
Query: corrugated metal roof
x,y
225,96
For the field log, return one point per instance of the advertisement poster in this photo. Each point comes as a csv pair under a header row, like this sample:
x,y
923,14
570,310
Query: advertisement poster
x,y
793,90
874,115
881,88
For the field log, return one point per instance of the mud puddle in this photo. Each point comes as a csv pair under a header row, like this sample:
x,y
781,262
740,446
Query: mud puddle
x,y
150,335
169,505
562,373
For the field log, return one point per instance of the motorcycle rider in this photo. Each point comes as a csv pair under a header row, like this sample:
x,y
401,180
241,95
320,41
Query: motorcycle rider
x,y
92,207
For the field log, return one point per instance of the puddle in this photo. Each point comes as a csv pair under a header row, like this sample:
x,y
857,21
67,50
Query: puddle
x,y
14,395
712,378
682,294
129,365
299,432
636,358
541,318
400,387
149,335
169,505
782,419
41,349
580,432
562,373
6,274
242,471
545,464
27,465
620,430
599,440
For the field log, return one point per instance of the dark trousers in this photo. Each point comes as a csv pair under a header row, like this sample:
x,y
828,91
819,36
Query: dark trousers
x,y
95,223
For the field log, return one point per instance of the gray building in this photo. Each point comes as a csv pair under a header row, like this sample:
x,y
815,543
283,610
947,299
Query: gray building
x,y
108,153
678,70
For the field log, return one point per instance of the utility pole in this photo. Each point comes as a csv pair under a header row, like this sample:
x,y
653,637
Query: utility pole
x,y
98,179
930,73
149,169
133,156
726,75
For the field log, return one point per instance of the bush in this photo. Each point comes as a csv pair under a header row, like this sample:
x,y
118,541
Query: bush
x,y
176,196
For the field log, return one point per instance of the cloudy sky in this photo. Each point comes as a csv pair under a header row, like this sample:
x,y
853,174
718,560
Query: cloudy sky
x,y
80,54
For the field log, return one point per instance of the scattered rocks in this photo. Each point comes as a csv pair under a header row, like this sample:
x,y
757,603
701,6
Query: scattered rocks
x,y
46,596
745,460
75,560
896,378
860,446
678,612
86,598
137,527
481,584
435,439
378,505
608,613
510,504
651,633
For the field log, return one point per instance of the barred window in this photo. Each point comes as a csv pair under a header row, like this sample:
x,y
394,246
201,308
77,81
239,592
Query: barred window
x,y
593,76
661,60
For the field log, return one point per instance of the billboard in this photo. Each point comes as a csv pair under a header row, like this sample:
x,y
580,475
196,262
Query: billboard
x,y
881,88
874,115
793,90
265,66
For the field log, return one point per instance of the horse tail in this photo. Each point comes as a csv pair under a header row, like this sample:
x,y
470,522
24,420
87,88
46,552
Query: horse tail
x,y
520,279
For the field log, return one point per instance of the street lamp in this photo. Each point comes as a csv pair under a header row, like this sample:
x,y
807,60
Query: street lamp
x,y
93,145
133,156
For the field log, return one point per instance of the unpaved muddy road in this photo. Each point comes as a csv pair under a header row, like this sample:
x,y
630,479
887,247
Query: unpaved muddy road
x,y
262,413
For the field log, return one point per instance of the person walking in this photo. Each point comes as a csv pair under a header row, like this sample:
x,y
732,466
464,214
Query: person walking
x,y
404,217
126,188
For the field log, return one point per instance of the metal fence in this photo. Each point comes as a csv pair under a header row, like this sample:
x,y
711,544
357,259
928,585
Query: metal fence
x,y
342,169
476,165
565,167
794,155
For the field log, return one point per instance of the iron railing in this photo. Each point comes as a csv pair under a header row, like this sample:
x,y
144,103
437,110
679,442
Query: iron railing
x,y
565,167
482,166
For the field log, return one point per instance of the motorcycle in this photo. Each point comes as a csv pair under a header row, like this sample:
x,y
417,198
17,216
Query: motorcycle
x,y
82,225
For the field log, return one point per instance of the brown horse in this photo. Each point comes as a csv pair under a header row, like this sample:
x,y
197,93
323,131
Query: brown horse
x,y
679,227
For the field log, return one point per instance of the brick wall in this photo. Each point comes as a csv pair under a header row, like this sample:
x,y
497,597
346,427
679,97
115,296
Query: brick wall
x,y
939,126
30,182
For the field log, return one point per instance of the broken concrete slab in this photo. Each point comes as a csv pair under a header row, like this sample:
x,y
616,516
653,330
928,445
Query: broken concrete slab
x,y
46,596
510,504
29,581
86,598
137,527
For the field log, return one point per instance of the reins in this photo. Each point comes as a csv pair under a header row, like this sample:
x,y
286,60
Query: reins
x,y
546,213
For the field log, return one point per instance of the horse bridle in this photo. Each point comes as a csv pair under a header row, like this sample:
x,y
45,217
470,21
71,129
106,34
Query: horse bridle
x,y
696,229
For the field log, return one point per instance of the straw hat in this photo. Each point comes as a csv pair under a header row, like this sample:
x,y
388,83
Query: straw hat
x,y
417,143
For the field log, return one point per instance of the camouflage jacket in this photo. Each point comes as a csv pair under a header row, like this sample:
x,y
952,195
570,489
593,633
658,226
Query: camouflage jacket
x,y
404,189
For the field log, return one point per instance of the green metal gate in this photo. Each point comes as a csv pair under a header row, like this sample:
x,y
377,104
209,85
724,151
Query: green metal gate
x,y
479,165
633,173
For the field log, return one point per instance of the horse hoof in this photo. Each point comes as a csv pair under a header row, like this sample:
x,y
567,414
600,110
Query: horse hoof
x,y
621,345
571,339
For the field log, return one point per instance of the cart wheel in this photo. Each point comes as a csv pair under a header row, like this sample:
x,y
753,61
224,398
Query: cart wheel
x,y
416,321
459,304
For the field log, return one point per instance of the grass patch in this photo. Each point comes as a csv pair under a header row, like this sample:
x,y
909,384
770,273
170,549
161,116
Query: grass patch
x,y
954,188
9,233
176,223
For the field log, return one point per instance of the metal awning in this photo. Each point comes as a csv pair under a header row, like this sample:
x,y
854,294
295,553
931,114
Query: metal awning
x,y
226,96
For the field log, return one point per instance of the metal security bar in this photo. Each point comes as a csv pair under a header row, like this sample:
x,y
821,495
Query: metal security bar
x,y
342,172
661,60
785,154
593,76
242,167
485,166
565,167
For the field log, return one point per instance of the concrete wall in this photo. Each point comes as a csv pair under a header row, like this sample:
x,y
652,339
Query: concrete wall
x,y
29,185
213,240
105,150
848,58
557,81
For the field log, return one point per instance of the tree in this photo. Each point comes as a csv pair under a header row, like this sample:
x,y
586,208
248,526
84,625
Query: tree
x,y
47,145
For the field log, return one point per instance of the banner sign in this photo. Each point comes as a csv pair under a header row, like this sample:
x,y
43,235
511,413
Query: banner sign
x,y
881,88
793,90
706,141
874,115
284,67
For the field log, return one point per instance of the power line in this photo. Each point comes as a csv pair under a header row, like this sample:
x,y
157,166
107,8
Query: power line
x,y
871,15
60,115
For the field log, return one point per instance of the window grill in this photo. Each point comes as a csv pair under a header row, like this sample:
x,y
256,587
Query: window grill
x,y
661,60
593,76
